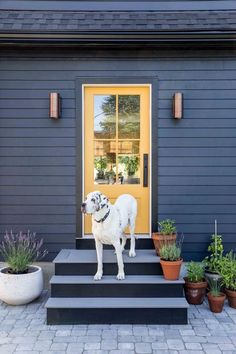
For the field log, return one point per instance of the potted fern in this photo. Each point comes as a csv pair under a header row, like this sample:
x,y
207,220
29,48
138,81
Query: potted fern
x,y
228,273
166,234
20,281
195,284
215,297
171,260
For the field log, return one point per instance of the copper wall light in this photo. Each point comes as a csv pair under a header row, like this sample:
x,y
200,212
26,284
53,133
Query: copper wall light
x,y
54,105
177,105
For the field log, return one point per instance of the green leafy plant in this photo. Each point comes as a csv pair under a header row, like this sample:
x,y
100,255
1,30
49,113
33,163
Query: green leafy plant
x,y
216,249
228,270
170,252
131,164
195,272
20,250
100,163
214,287
167,227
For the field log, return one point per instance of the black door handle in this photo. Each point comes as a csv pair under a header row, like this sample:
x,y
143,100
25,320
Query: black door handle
x,y
145,170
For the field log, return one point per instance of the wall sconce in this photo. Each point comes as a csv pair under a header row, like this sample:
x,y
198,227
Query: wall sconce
x,y
54,105
177,105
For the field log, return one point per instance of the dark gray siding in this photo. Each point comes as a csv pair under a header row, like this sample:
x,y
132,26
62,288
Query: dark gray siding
x,y
196,156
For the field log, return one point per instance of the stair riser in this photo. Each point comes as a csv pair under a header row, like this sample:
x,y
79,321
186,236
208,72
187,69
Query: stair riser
x,y
108,269
117,290
117,316
86,244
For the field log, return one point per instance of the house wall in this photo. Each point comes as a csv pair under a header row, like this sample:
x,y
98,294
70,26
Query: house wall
x,y
196,157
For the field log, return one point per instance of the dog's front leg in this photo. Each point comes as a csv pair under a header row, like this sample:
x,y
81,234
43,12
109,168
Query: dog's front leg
x,y
121,274
99,250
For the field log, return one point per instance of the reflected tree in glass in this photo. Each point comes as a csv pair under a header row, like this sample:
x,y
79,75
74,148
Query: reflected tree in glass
x,y
104,116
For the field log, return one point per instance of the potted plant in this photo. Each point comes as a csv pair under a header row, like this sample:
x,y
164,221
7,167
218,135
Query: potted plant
x,y
20,281
228,273
131,166
215,297
195,284
213,261
100,164
171,260
165,235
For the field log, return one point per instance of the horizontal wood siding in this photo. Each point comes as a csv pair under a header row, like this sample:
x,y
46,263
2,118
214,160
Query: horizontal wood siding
x,y
196,156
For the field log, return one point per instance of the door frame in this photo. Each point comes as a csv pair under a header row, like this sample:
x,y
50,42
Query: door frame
x,y
81,84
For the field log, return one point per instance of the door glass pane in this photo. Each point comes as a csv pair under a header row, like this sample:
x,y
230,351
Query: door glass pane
x,y
128,147
104,116
129,169
128,116
104,162
128,162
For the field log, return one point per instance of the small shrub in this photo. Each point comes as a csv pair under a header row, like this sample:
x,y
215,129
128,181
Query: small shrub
x,y
170,252
195,272
167,227
228,270
216,249
20,250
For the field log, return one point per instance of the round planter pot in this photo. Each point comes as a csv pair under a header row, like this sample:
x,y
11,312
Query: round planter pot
x,y
195,292
20,289
231,296
159,240
216,303
171,269
212,275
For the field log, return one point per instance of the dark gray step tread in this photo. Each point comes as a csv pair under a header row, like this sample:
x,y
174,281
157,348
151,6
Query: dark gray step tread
x,y
110,279
89,256
114,302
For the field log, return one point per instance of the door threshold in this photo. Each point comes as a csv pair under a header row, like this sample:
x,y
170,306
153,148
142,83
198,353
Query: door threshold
x,y
137,236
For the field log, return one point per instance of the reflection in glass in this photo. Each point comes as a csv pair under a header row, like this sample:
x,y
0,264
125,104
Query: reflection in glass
x,y
104,162
129,116
129,169
104,116
128,147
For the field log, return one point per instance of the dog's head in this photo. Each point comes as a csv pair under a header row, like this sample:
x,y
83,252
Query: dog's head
x,y
94,201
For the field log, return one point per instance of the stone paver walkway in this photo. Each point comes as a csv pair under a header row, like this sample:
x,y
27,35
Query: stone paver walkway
x,y
23,330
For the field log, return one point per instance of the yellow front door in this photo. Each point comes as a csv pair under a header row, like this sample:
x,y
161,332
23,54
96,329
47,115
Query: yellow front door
x,y
117,146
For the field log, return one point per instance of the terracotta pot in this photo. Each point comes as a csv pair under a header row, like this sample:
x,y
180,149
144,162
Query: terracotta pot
x,y
231,296
171,269
159,240
216,303
195,292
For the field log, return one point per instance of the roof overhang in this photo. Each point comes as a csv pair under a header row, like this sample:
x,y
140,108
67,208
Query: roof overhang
x,y
115,37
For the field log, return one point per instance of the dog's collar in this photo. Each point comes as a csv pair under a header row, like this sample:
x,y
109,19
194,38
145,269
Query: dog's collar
x,y
104,217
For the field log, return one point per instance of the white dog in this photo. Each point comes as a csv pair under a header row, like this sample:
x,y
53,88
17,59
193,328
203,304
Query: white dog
x,y
108,225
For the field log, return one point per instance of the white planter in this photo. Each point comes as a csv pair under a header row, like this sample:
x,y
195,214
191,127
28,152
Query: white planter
x,y
20,289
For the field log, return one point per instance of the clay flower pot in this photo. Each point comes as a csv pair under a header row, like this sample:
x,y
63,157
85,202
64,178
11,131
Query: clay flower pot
x,y
195,292
216,303
171,269
231,296
159,240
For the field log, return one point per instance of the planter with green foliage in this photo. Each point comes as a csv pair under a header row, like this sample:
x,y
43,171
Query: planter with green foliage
x,y
195,284
213,261
20,281
215,297
228,273
171,261
166,234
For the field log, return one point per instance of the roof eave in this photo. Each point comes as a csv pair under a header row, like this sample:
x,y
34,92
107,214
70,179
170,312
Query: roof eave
x,y
115,37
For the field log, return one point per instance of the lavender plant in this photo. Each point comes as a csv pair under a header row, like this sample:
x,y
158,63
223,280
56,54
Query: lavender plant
x,y
20,250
